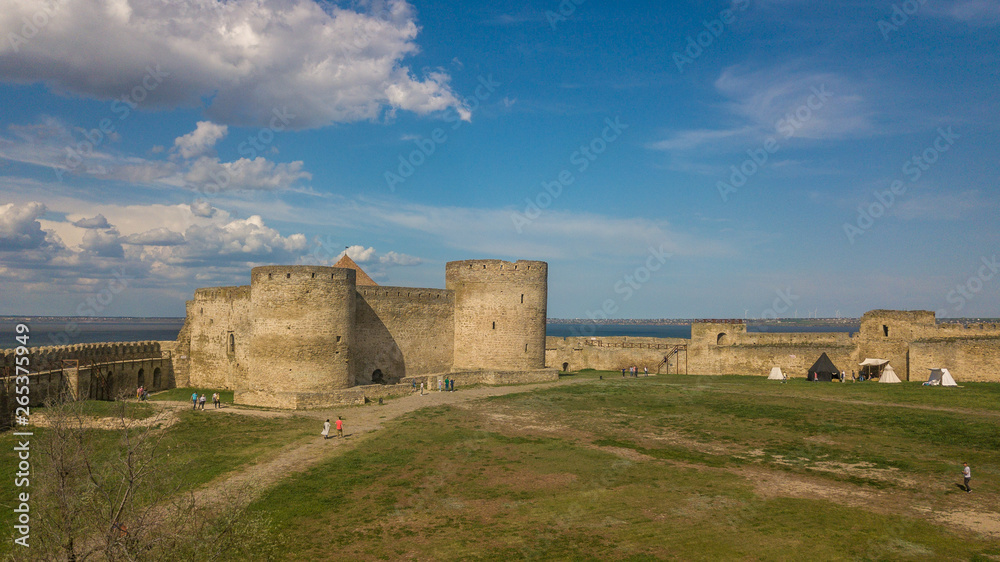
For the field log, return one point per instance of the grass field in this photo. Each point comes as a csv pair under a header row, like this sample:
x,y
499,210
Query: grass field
x,y
667,467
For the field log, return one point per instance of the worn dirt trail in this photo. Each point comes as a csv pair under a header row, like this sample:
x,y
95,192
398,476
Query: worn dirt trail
x,y
359,421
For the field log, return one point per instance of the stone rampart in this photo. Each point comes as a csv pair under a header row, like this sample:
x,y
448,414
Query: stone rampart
x,y
401,332
100,371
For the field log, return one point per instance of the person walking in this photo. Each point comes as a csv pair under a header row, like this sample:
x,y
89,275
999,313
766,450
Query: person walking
x,y
645,371
421,389
202,401
340,427
326,429
967,475
215,400
194,401
439,385
623,372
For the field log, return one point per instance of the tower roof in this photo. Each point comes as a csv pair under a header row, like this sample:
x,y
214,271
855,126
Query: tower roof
x,y
362,278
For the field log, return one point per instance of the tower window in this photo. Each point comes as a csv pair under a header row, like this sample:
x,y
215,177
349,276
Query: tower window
x,y
522,299
338,339
288,276
494,325
232,343
525,348
314,275
270,276
885,330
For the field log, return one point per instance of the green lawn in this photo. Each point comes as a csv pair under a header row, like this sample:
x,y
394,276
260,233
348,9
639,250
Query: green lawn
x,y
667,467
652,468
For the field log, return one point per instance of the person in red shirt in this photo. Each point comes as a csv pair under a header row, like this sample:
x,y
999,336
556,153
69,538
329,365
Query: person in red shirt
x,y
340,427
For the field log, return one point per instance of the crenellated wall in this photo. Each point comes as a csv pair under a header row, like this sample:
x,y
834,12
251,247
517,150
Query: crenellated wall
x,y
911,341
103,372
403,332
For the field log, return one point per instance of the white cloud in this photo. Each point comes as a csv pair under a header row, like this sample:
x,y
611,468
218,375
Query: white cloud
x,y
204,137
104,243
780,103
51,144
318,62
973,12
19,226
257,174
359,254
242,240
94,222
156,237
940,206
393,258
202,208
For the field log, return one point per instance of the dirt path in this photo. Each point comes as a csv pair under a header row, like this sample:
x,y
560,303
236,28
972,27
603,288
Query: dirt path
x,y
359,421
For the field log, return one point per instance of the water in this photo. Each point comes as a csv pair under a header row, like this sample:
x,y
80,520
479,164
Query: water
x,y
69,331
676,330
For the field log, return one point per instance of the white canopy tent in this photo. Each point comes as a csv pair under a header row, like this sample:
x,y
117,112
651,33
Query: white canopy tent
x,y
889,375
941,377
872,368
776,374
874,362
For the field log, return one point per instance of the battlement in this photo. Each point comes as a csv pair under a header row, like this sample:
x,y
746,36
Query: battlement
x,y
405,293
295,274
226,293
496,271
51,357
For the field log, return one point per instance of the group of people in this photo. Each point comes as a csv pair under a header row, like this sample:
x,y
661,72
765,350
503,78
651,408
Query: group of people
x,y
141,394
326,428
446,384
634,371
198,402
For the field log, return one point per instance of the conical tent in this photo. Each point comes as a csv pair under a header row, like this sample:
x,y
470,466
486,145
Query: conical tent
x,y
823,369
889,375
776,374
941,377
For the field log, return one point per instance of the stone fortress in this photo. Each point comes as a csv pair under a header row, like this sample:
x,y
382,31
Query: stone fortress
x,y
912,341
311,337
305,337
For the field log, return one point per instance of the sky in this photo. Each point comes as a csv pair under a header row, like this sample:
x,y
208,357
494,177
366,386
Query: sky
x,y
743,159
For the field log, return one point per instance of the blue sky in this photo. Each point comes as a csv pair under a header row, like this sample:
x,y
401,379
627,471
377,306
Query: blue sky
x,y
668,159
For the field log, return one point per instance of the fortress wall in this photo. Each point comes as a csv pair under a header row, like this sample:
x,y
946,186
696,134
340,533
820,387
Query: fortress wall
x,y
500,313
302,329
739,353
218,337
105,369
403,332
794,359
611,353
968,360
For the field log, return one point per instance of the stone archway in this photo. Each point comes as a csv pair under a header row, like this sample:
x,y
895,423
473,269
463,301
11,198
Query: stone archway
x,y
141,378
378,377
722,339
565,367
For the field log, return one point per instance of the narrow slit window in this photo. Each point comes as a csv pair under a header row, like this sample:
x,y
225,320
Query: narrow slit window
x,y
522,299
494,325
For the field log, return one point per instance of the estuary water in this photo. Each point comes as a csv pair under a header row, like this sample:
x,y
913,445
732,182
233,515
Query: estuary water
x,y
72,330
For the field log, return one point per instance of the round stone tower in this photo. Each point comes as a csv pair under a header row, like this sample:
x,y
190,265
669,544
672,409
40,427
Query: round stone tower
x,y
302,329
500,312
